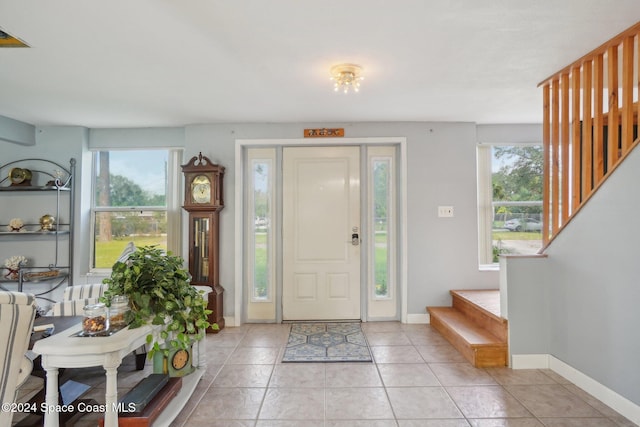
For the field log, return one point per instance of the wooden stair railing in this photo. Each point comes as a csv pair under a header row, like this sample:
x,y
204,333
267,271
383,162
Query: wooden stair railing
x,y
587,132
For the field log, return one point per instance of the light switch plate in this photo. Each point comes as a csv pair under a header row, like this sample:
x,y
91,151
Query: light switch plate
x,y
445,211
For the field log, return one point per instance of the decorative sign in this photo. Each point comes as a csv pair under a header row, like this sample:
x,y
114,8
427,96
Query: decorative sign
x,y
323,133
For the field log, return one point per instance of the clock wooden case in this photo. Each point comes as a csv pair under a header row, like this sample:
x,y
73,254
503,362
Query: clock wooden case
x,y
203,201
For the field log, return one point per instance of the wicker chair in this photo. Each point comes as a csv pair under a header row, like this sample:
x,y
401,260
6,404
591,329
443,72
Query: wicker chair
x,y
17,312
76,297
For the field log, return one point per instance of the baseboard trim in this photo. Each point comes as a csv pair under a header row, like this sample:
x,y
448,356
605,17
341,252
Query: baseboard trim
x,y
530,361
601,392
230,321
418,318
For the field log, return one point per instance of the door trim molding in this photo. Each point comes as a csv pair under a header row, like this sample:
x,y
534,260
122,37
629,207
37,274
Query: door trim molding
x,y
241,144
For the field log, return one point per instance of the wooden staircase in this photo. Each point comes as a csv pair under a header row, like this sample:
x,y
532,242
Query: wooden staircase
x,y
474,327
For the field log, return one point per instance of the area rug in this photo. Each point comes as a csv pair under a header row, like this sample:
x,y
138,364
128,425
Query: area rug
x,y
327,342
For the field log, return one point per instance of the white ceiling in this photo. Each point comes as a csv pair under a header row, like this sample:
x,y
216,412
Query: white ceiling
x,y
142,63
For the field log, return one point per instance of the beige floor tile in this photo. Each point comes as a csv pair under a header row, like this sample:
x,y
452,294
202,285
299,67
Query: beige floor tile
x,y
242,329
217,355
440,354
387,338
293,404
407,375
264,340
361,423
509,376
422,402
352,375
452,374
227,404
212,370
225,423
578,422
433,423
298,375
426,337
487,402
267,328
381,327
396,354
201,389
506,422
223,339
555,376
253,356
599,406
228,337
551,401
296,423
243,376
358,404
416,380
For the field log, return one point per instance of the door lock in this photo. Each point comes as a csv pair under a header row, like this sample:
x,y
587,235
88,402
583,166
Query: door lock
x,y
355,239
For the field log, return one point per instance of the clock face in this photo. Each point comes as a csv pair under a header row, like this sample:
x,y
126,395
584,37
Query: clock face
x,y
180,359
201,189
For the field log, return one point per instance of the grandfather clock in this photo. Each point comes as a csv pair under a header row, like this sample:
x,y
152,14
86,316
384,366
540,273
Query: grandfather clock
x,y
203,200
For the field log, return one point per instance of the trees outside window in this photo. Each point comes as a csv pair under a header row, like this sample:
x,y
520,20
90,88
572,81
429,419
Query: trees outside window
x,y
129,202
511,208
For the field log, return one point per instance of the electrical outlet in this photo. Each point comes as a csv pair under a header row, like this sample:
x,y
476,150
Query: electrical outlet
x,y
445,211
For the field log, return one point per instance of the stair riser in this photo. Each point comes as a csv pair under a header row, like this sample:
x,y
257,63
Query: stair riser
x,y
481,317
491,357
453,338
481,357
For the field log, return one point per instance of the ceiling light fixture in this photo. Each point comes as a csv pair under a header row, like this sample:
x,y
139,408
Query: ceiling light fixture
x,y
346,77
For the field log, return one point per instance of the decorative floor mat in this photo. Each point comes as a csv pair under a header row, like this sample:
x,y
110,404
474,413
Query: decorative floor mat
x,y
327,342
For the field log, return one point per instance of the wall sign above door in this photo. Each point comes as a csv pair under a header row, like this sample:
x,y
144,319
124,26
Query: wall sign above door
x,y
323,133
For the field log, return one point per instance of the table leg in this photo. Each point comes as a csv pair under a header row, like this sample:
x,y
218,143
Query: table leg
x,y
51,415
111,396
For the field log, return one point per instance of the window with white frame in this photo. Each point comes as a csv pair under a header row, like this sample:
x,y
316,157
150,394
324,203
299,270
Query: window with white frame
x,y
131,190
260,233
382,233
510,200
261,194
382,238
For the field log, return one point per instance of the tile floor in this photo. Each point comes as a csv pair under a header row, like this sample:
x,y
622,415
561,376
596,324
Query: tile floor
x,y
417,379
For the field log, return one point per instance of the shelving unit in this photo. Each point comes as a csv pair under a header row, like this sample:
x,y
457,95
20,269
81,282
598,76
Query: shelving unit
x,y
47,177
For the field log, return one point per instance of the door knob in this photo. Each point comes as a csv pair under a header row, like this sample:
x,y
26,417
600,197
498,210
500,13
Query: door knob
x,y
355,239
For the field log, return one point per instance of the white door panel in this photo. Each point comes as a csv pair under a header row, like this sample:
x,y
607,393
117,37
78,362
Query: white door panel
x,y
321,266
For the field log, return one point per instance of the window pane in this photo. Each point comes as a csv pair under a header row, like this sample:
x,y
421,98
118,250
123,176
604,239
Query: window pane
x,y
131,178
113,230
261,202
381,198
517,199
129,202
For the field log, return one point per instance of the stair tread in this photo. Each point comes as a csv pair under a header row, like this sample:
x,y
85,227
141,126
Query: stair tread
x,y
463,326
488,300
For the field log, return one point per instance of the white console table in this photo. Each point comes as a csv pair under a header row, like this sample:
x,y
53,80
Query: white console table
x,y
64,350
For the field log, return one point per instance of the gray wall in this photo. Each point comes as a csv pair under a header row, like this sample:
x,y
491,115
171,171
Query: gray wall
x,y
441,171
443,252
588,289
58,144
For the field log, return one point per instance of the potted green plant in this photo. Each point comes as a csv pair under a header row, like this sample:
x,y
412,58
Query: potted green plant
x,y
160,293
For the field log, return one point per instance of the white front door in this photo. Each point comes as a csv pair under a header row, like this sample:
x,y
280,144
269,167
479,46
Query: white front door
x,y
321,215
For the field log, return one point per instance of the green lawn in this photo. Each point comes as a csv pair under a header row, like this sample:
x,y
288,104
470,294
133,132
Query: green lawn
x,y
517,235
108,252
